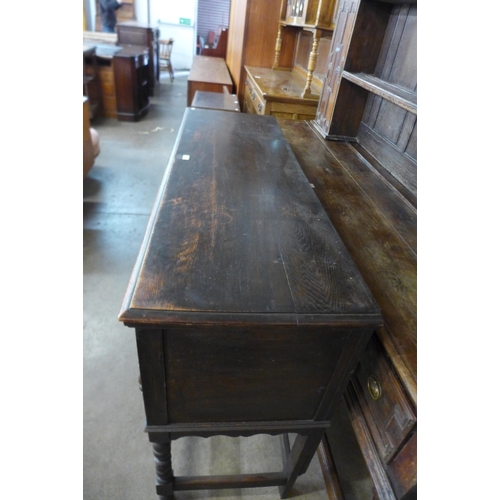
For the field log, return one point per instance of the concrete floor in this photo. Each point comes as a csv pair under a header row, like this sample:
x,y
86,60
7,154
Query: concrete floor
x,y
118,195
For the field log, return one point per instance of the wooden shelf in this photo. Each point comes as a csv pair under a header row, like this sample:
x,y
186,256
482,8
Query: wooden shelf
x,y
398,96
309,27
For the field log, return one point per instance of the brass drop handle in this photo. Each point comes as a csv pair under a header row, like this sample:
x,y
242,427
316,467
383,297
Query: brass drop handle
x,y
374,388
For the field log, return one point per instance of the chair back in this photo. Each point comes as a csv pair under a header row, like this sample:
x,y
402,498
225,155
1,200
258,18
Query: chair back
x,y
166,48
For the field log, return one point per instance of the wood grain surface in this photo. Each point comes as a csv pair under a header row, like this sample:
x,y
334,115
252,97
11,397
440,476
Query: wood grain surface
x,y
238,230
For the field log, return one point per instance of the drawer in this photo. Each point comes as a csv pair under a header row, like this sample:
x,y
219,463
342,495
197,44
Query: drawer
x,y
387,411
253,99
293,111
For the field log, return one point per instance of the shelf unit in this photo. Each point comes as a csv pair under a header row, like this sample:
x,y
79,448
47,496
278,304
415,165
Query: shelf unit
x,y
297,18
369,94
357,68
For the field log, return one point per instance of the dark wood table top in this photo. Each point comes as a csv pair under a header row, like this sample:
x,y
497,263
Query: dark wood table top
x,y
237,234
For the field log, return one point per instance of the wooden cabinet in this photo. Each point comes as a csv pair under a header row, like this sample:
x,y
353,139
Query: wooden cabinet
x,y
91,83
101,69
298,60
131,78
389,414
123,73
88,149
132,33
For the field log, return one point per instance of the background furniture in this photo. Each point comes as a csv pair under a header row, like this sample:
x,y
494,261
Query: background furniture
x,y
91,147
268,39
164,59
132,82
132,77
132,33
105,45
88,149
251,38
254,323
209,74
304,35
365,173
91,84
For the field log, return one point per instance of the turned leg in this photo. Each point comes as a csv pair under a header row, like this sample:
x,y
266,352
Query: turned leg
x,y
311,66
297,459
164,472
277,49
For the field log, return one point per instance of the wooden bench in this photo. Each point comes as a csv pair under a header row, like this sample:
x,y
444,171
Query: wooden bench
x,y
208,74
377,222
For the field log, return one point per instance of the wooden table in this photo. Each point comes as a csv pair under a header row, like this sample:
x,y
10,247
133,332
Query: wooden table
x,y
208,74
249,313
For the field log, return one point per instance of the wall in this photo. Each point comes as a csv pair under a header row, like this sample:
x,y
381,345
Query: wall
x,y
165,14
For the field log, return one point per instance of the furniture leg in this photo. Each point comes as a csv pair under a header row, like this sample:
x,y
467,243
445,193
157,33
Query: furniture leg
x,y
299,457
164,472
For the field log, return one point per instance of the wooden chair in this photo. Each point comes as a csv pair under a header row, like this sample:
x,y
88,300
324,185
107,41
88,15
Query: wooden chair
x,y
165,54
